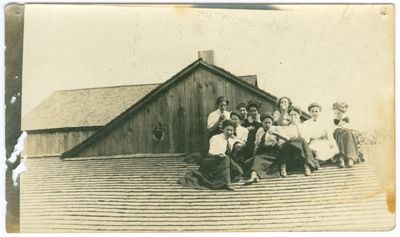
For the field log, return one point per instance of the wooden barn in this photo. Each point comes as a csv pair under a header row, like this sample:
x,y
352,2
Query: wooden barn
x,y
108,182
166,118
67,118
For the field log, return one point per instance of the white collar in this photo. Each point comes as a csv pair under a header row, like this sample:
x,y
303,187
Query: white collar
x,y
250,119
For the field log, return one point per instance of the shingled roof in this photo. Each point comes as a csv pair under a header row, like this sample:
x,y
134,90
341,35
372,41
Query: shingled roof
x,y
84,107
135,194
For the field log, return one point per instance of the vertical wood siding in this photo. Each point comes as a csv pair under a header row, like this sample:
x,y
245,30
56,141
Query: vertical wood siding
x,y
181,112
54,142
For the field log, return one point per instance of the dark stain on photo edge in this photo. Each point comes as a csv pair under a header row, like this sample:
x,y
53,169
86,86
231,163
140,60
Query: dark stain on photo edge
x,y
14,27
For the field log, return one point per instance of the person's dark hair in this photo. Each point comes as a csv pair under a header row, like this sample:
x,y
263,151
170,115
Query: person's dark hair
x,y
288,99
312,105
266,115
255,104
296,109
222,98
241,105
237,113
228,122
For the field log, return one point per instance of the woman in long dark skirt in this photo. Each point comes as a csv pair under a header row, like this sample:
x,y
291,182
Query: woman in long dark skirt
x,y
265,151
345,139
217,170
295,151
252,123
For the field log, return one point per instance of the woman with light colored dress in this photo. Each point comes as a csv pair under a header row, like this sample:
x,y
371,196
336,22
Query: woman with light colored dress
x,y
320,134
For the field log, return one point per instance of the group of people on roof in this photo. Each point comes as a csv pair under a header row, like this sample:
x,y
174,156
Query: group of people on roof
x,y
247,144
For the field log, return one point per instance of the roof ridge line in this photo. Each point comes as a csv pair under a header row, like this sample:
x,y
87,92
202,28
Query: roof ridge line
x,y
105,87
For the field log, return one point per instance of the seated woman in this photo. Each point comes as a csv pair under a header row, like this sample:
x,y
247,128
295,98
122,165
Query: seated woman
x,y
240,134
242,108
322,142
217,170
265,151
281,116
252,123
215,118
295,151
345,139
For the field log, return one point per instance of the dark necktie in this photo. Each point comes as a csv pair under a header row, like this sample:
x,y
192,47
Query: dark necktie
x,y
228,148
262,142
337,121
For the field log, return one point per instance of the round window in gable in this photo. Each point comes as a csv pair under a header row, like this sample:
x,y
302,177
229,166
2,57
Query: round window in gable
x,y
158,134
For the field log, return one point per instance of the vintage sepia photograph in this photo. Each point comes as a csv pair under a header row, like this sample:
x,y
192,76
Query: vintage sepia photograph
x,y
199,117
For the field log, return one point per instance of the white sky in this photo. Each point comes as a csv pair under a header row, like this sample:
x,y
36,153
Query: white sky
x,y
309,53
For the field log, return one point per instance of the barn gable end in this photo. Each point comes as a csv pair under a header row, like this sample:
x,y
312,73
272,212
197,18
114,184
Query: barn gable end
x,y
178,108
68,117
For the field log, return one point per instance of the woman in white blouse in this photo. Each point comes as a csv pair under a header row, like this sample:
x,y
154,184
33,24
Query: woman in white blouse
x,y
295,151
217,170
215,118
321,138
265,151
281,116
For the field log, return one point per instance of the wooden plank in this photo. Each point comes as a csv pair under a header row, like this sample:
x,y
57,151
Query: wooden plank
x,y
210,96
135,133
116,140
47,144
121,137
141,122
180,119
40,143
95,148
128,137
155,122
189,112
169,111
108,144
200,123
98,148
165,121
212,90
58,141
230,93
147,131
28,149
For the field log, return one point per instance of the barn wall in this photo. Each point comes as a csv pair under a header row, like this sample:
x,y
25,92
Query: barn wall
x,y
181,112
53,142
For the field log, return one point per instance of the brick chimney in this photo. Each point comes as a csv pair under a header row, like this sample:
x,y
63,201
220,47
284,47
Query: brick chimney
x,y
207,56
